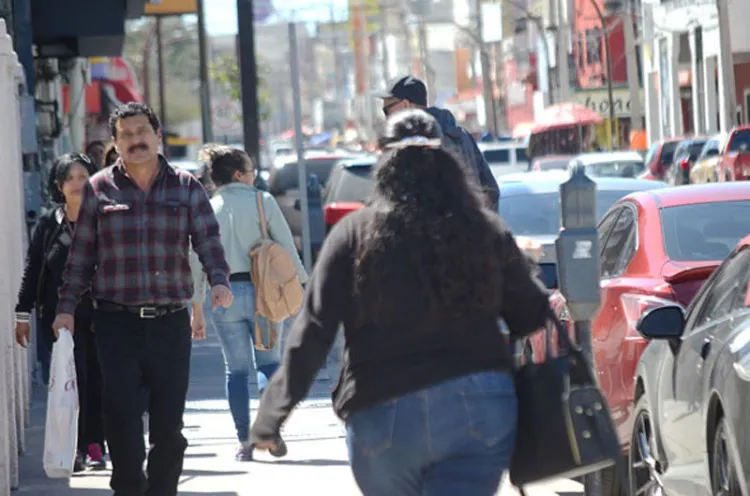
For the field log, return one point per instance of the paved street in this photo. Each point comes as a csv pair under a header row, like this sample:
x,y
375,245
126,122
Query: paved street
x,y
317,458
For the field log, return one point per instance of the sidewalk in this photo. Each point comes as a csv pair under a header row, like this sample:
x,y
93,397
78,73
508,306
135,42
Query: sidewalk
x,y
317,459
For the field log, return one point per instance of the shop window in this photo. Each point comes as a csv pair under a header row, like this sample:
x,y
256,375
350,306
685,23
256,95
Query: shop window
x,y
593,46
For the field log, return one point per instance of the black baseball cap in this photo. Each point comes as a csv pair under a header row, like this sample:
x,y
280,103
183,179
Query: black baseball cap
x,y
406,88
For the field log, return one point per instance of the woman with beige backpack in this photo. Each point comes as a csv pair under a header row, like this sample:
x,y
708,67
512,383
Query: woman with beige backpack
x,y
266,278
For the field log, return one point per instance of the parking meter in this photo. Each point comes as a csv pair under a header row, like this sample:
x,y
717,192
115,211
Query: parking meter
x,y
578,269
315,214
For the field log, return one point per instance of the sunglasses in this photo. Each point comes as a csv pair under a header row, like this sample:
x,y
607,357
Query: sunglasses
x,y
387,108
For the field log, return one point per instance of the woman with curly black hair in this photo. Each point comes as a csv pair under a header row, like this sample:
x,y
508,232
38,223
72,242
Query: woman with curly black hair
x,y
419,278
45,262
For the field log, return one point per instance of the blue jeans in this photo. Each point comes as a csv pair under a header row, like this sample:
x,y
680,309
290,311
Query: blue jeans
x,y
454,438
235,327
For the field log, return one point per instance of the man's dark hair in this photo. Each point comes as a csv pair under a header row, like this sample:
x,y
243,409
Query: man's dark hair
x,y
132,109
223,161
93,145
60,170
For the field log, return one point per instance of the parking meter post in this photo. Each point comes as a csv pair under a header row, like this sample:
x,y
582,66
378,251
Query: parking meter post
x,y
299,143
315,210
578,270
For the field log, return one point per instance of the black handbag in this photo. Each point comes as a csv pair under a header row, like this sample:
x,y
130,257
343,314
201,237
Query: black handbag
x,y
564,426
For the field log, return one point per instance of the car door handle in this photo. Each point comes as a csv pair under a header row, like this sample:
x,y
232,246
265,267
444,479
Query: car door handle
x,y
705,349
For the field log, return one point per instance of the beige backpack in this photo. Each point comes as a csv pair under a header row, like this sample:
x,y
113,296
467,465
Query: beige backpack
x,y
278,291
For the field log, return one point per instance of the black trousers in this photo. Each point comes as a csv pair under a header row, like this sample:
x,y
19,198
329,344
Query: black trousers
x,y
144,362
88,374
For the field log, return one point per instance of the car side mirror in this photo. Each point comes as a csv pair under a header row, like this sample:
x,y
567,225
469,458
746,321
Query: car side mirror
x,y
298,204
665,322
549,274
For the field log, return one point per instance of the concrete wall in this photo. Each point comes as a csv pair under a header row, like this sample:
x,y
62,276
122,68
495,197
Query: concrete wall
x,y
14,371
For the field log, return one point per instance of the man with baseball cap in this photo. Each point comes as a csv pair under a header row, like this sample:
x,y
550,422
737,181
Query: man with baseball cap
x,y
409,92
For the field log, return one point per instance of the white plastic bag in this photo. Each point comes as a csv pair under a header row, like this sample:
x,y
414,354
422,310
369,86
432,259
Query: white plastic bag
x,y
61,430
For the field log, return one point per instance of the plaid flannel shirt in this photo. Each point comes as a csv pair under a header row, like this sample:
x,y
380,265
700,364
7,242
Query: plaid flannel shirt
x,y
131,247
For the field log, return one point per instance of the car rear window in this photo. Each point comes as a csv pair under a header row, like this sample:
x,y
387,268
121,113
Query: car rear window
x,y
667,152
501,156
539,214
619,168
287,177
355,184
695,149
705,231
546,164
739,138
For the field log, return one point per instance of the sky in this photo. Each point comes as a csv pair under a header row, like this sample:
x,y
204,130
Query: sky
x,y
221,15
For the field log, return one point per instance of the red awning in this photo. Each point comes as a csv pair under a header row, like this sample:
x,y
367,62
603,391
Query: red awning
x,y
565,115
117,93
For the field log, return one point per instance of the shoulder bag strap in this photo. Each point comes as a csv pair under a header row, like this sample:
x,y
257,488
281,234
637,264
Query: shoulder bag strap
x,y
262,215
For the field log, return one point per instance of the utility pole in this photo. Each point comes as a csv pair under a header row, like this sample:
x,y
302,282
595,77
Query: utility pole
x,y
406,33
634,87
206,109
563,70
366,73
248,78
488,93
162,89
727,67
384,43
338,70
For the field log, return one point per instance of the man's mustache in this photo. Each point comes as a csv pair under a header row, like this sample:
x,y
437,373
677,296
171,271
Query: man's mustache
x,y
140,146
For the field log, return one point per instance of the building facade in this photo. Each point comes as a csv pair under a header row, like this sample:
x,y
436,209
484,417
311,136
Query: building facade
x,y
685,71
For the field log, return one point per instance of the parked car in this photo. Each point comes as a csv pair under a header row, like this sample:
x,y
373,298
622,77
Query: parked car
x,y
283,184
550,162
692,388
349,186
656,246
531,208
706,168
685,156
659,158
505,157
610,164
734,164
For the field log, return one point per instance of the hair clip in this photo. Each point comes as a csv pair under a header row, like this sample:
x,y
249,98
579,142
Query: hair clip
x,y
415,141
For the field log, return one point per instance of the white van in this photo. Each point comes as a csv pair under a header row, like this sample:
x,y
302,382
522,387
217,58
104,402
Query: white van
x,y
505,157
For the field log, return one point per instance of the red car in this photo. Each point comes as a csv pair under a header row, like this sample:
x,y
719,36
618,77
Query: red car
x,y
659,159
735,159
656,246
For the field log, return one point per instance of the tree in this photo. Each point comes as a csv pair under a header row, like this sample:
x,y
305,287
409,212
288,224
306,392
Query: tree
x,y
180,52
226,72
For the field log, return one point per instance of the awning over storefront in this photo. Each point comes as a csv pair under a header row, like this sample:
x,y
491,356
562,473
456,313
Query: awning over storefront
x,y
565,115
102,96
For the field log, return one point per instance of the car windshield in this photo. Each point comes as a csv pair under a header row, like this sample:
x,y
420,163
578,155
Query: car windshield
x,y
705,231
616,168
539,214
710,148
739,138
355,184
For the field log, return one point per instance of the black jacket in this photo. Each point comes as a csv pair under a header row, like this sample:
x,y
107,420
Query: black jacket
x,y
38,274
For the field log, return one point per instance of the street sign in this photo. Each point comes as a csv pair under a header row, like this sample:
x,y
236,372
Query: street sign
x,y
171,7
226,114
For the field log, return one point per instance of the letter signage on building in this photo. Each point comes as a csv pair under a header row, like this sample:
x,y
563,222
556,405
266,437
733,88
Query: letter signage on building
x,y
598,101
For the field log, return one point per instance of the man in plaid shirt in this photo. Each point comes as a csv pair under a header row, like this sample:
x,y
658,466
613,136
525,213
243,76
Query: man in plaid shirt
x,y
130,249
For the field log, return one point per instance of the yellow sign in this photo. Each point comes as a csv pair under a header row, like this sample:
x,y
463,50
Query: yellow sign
x,y
598,100
171,7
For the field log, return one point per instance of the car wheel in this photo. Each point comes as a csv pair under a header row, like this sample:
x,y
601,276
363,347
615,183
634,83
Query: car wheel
x,y
724,478
644,470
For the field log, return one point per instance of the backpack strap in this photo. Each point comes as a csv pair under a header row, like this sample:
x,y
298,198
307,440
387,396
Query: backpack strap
x,y
262,215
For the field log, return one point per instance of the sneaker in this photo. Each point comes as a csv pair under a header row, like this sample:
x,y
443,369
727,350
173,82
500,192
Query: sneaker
x,y
96,459
280,450
79,464
244,452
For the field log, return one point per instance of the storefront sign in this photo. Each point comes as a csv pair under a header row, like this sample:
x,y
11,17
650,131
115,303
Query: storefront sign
x,y
598,101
